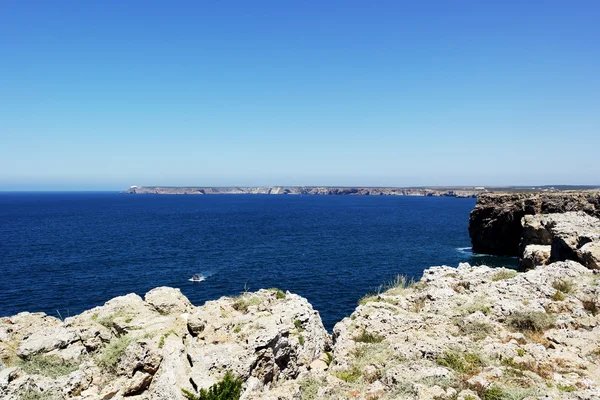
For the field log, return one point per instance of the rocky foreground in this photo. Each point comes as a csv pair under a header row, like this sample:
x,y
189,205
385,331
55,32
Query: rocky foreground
x,y
471,332
309,190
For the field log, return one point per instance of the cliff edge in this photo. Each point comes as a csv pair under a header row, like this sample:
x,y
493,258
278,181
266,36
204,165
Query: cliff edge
x,y
495,222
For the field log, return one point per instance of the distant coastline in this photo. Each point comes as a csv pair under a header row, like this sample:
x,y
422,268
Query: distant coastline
x,y
440,191
310,190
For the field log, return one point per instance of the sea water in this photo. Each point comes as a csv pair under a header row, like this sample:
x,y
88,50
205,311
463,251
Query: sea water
x,y
62,253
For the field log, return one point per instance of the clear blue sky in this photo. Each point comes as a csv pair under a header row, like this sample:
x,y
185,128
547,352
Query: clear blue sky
x,y
107,94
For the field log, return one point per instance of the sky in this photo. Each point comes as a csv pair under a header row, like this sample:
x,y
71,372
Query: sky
x,y
101,95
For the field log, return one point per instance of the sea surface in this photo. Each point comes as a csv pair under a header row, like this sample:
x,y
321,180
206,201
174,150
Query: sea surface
x,y
62,253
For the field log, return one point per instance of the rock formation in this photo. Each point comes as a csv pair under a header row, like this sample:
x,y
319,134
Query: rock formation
x,y
458,333
153,348
308,190
559,237
495,222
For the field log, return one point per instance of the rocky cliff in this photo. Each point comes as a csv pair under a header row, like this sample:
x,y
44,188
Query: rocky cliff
x,y
308,190
458,333
495,222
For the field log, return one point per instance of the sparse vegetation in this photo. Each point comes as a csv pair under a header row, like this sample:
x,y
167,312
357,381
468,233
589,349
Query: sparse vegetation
x,y
558,296
418,304
109,321
244,301
329,357
591,305
504,274
309,388
564,286
161,342
229,388
477,329
460,286
351,375
301,340
368,337
279,294
112,353
532,321
298,325
50,366
479,306
465,363
565,388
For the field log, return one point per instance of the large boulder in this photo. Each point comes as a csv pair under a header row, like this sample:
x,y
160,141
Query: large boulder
x,y
571,236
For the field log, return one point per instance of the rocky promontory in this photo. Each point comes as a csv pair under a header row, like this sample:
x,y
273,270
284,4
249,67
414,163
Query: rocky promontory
x,y
495,223
309,190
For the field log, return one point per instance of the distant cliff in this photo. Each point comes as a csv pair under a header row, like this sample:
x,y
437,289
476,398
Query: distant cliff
x,y
495,222
309,190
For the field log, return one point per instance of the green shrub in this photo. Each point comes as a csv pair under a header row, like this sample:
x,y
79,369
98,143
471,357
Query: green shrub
x,y
477,329
279,294
161,342
465,363
309,388
558,296
50,366
242,303
329,357
368,337
504,274
229,388
532,321
564,286
565,388
114,350
484,308
298,325
351,375
301,340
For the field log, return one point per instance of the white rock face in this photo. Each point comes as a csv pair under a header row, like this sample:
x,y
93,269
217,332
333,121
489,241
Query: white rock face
x,y
570,235
535,255
154,348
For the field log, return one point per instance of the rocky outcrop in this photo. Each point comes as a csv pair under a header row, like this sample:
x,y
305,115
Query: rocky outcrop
x,y
459,333
309,190
495,222
154,348
473,332
568,236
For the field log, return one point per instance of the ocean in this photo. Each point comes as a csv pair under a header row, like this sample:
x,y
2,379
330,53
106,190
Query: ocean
x,y
62,253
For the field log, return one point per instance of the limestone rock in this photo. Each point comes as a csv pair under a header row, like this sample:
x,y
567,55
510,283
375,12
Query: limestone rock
x,y
168,300
495,222
535,255
567,234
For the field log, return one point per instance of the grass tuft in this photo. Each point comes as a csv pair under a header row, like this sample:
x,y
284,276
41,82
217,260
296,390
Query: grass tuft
x,y
531,321
279,294
558,296
504,274
465,363
114,350
50,366
243,301
368,337
229,388
564,286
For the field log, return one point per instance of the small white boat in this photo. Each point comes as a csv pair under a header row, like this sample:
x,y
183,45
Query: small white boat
x,y
196,278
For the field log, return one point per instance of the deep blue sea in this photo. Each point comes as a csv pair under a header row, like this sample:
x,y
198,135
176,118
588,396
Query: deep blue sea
x,y
67,252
